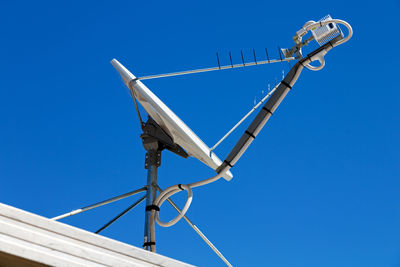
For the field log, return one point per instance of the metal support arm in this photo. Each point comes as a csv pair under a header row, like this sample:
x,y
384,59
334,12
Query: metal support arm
x,y
99,204
269,108
197,230
121,214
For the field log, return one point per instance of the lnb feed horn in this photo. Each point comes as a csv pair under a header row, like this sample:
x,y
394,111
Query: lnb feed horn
x,y
324,31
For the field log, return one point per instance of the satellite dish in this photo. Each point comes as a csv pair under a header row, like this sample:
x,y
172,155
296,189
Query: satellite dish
x,y
169,121
166,129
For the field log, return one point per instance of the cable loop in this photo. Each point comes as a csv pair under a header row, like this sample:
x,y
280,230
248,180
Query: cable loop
x,y
320,58
168,193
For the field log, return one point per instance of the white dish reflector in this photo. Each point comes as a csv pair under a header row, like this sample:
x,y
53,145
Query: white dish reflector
x,y
169,122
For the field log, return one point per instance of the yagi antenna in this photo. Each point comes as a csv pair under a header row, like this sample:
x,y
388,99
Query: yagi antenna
x,y
164,129
225,67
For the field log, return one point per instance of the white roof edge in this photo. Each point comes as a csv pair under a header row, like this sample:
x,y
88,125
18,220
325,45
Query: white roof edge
x,y
39,239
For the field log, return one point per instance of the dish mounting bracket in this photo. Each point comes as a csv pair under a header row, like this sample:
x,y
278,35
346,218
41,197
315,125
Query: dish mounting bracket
x,y
153,133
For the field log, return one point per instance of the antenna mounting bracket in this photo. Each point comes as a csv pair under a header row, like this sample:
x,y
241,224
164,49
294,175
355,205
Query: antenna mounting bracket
x,y
152,132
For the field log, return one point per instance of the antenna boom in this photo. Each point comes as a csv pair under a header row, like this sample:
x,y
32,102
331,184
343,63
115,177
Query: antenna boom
x,y
179,73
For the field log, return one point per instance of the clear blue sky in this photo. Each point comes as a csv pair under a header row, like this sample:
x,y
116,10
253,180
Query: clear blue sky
x,y
318,187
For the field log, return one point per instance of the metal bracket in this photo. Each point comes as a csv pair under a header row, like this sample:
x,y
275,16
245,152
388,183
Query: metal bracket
x,y
155,138
153,157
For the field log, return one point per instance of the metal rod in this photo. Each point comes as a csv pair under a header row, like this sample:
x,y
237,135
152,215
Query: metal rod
x,y
152,162
198,231
212,69
245,117
230,58
99,204
241,52
266,52
254,54
121,214
137,109
280,53
219,65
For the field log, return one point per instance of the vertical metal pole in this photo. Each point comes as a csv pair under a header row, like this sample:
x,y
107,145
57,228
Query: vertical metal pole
x,y
153,160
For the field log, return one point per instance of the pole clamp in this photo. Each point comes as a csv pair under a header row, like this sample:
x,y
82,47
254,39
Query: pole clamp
x,y
267,110
286,84
250,134
228,163
153,158
152,207
148,244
